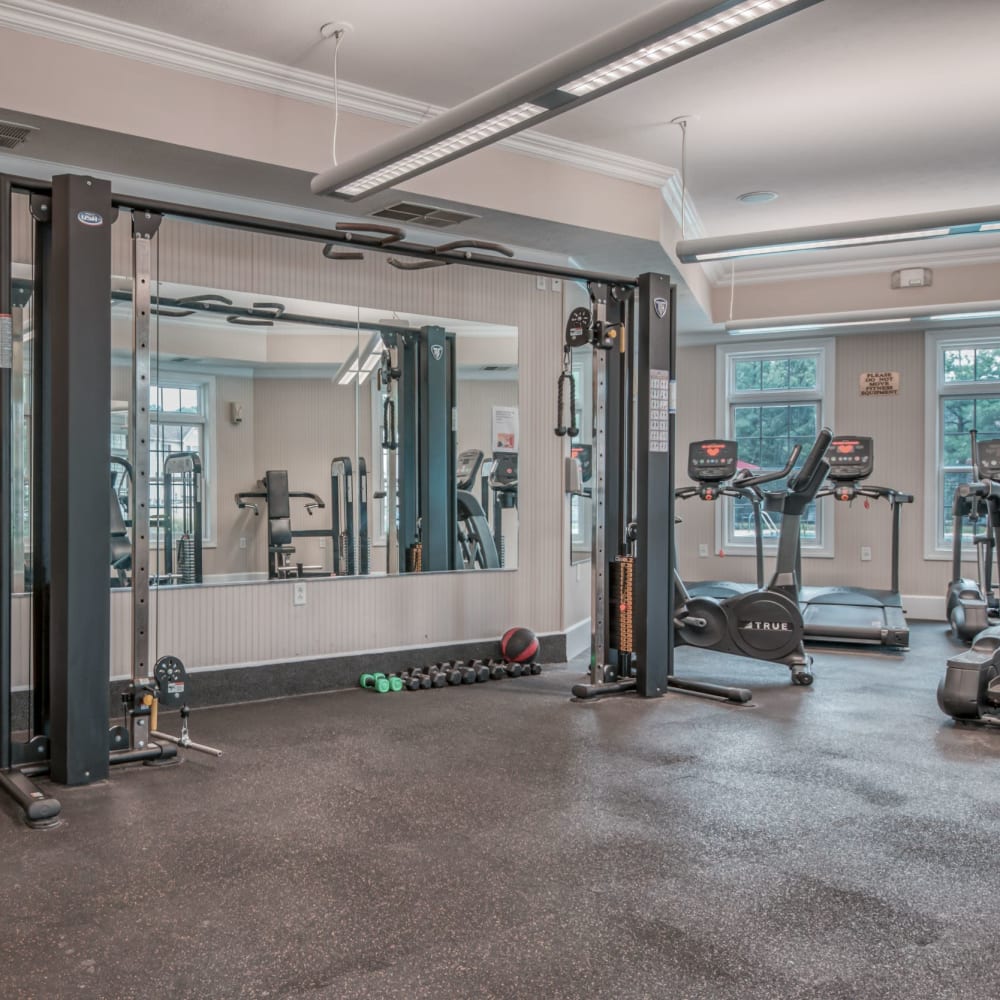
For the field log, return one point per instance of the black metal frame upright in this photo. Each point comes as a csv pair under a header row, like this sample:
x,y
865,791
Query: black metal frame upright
x,y
633,489
427,452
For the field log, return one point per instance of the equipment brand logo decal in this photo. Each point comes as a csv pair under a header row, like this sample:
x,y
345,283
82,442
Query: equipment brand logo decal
x,y
437,352
767,626
90,218
660,306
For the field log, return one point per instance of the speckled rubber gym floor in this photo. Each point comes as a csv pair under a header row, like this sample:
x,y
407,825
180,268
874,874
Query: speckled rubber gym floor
x,y
499,840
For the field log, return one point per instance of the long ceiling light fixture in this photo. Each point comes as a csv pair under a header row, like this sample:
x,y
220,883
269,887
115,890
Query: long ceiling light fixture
x,y
663,37
871,232
749,331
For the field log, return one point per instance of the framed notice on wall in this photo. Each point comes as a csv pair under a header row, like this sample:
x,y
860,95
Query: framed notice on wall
x,y
505,429
879,383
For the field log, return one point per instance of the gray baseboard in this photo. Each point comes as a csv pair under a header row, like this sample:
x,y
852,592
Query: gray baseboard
x,y
328,673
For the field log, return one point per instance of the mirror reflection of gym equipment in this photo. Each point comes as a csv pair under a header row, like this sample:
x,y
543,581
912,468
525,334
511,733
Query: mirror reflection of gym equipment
x,y
239,417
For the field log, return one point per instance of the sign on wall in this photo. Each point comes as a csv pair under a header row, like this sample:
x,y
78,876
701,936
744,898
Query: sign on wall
x,y
505,430
879,383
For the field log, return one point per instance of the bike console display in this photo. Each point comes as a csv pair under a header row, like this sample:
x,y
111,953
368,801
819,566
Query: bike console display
x,y
851,459
712,461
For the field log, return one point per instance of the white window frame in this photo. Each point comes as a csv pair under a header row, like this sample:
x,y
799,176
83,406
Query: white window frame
x,y
726,354
178,378
936,391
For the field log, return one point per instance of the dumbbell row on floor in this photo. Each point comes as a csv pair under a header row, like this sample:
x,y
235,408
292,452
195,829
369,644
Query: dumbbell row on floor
x,y
450,672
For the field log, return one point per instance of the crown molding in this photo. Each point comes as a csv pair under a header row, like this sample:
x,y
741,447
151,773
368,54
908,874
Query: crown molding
x,y
131,41
874,265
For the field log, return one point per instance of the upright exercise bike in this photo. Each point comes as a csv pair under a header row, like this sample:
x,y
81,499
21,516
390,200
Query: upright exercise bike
x,y
762,624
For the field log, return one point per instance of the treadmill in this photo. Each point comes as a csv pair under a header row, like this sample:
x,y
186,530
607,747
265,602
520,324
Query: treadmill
x,y
714,466
857,614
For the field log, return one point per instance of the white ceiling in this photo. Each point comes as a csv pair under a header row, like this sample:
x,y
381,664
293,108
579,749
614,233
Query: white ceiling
x,y
850,109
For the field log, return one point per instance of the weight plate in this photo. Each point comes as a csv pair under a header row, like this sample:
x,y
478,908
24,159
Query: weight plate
x,y
578,327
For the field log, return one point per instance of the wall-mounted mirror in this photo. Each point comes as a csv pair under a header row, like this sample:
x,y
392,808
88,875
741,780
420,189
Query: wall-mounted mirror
x,y
299,437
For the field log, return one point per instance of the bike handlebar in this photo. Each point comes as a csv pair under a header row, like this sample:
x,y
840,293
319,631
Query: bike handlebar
x,y
811,464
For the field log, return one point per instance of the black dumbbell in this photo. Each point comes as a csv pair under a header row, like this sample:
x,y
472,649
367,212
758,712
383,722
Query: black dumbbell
x,y
534,668
497,670
468,672
482,671
514,669
437,678
452,675
411,681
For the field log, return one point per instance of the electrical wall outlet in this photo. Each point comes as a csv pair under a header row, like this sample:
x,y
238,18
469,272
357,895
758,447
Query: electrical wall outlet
x,y
557,284
866,553
540,283
322,543
243,543
703,550
299,593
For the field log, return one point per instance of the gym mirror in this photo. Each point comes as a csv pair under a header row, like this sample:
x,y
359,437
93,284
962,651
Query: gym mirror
x,y
294,435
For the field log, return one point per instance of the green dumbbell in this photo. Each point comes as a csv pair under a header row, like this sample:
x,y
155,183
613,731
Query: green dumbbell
x,y
395,683
376,682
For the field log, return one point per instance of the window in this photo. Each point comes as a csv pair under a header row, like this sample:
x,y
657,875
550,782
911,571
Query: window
x,y
771,399
964,380
179,421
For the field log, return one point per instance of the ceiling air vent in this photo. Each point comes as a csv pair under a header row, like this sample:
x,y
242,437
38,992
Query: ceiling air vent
x,y
12,134
422,215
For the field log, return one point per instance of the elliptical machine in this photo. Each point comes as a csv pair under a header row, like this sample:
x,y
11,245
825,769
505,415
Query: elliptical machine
x,y
972,604
763,624
970,688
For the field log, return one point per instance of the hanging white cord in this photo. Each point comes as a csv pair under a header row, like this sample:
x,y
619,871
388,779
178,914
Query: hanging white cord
x,y
732,286
339,36
684,174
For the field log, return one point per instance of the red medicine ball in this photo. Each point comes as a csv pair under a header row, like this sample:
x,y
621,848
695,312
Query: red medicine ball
x,y
519,645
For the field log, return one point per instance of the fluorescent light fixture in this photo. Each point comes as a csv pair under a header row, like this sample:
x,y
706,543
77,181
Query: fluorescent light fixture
x,y
870,232
945,317
668,34
803,327
351,369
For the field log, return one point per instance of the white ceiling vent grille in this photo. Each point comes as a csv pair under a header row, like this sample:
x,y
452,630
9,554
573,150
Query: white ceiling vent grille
x,y
422,215
12,134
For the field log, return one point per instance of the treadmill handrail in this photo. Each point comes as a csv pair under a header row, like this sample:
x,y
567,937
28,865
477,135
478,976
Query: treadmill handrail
x,y
873,492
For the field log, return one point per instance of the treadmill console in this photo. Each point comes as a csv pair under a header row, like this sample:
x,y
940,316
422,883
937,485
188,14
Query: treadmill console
x,y
503,476
712,461
989,459
467,468
584,454
851,459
